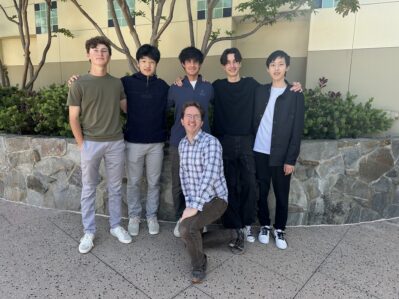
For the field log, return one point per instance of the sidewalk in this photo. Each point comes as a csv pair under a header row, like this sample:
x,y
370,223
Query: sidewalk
x,y
39,258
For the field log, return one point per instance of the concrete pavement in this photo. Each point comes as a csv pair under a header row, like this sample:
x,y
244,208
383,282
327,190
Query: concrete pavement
x,y
39,258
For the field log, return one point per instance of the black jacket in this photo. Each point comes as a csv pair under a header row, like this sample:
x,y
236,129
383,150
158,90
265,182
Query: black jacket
x,y
288,122
147,99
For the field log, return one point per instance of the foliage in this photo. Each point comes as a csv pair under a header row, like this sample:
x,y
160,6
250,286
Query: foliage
x,y
14,111
50,112
329,115
44,112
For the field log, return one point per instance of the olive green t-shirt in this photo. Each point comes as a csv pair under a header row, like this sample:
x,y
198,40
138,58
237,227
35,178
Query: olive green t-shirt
x,y
99,101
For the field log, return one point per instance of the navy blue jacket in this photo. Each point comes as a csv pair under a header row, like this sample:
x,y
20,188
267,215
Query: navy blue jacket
x,y
178,96
147,99
288,123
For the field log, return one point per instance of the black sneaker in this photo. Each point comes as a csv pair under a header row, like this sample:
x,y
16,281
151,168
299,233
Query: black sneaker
x,y
237,247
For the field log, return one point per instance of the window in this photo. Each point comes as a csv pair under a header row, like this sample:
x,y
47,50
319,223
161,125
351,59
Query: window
x,y
119,14
41,17
325,3
221,10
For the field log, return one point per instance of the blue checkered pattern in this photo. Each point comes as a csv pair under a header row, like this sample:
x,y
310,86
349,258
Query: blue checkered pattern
x,y
201,170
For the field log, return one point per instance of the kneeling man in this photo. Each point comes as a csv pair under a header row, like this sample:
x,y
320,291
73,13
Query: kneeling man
x,y
203,184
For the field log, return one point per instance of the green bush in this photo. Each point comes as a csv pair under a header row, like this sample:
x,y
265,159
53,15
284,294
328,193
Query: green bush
x,y
328,115
43,112
50,112
14,111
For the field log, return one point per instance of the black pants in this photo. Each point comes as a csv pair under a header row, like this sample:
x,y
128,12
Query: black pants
x,y
239,169
177,193
281,187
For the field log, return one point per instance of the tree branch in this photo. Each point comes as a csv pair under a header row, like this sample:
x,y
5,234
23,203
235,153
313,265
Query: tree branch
x,y
190,23
153,13
267,21
130,22
211,5
11,19
98,28
34,76
167,22
23,8
120,35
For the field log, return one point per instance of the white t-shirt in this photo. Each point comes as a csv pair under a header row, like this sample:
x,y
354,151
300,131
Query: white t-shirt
x,y
263,138
193,83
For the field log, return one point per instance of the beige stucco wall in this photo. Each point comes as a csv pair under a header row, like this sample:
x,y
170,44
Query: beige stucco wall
x,y
358,53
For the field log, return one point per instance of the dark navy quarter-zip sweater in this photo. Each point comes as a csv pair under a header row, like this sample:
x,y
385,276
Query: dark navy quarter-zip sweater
x,y
147,99
179,95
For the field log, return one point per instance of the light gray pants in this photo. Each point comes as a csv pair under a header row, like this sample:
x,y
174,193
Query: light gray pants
x,y
138,156
114,159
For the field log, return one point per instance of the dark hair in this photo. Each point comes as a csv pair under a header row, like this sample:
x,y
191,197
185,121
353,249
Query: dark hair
x,y
191,53
235,51
149,51
192,104
95,41
276,54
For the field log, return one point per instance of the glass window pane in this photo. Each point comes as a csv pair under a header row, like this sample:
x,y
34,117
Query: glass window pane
x,y
328,3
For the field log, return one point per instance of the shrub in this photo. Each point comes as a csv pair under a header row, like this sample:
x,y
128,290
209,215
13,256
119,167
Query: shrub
x,y
50,112
330,116
14,111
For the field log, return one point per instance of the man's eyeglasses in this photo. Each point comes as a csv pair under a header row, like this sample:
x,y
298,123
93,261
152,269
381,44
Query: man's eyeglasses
x,y
193,116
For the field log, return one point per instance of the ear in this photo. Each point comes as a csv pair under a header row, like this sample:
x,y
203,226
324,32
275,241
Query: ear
x,y
182,122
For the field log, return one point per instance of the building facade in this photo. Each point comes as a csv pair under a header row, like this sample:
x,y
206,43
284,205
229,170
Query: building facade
x,y
358,53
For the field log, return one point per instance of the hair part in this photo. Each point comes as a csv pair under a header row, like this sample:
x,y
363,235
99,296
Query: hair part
x,y
278,54
235,51
192,104
98,40
191,53
149,51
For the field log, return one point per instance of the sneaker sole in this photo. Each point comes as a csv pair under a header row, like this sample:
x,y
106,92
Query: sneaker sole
x,y
86,251
251,240
154,233
122,241
263,242
134,235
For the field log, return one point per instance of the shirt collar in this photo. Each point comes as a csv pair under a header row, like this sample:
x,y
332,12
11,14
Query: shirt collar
x,y
196,137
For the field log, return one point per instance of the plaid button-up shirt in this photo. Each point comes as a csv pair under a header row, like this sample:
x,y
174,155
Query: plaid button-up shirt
x,y
201,170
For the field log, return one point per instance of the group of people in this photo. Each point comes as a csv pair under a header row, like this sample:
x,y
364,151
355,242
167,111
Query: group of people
x,y
255,140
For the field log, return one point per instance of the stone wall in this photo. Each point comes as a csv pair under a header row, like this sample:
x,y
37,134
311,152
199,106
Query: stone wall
x,y
344,181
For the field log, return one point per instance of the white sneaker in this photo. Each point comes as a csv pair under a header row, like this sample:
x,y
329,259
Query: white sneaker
x,y
249,234
264,234
281,243
134,226
176,231
153,226
86,243
122,235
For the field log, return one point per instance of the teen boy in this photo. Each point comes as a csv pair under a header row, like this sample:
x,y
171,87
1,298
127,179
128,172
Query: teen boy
x,y
145,136
279,121
94,106
191,88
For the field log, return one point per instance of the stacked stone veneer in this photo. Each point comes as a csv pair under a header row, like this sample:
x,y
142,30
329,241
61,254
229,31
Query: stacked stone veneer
x,y
342,181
